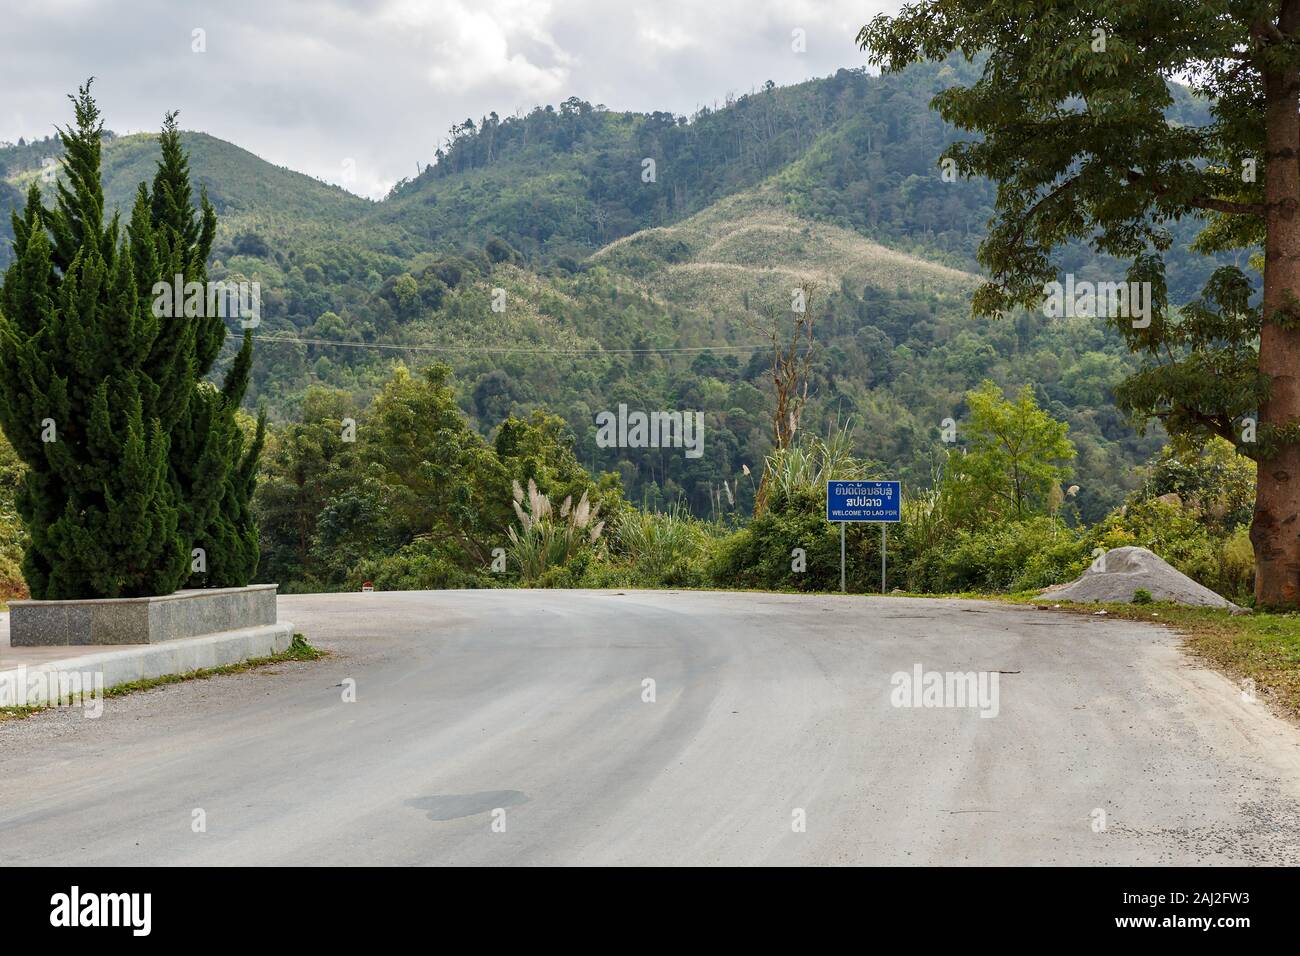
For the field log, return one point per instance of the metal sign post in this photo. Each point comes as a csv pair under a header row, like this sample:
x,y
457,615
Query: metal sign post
x,y
880,501
843,525
884,550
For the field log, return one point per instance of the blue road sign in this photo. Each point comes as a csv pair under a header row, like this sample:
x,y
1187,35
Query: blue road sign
x,y
864,501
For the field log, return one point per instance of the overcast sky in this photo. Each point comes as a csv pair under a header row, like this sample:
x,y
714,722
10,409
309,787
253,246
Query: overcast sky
x,y
312,85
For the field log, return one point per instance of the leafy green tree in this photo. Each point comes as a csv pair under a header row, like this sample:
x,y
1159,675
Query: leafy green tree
x,y
407,292
443,480
1072,111
418,485
541,450
306,465
1092,380
1016,454
498,250
352,528
1211,479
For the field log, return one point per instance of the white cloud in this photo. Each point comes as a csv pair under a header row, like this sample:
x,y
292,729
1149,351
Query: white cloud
x,y
469,48
310,85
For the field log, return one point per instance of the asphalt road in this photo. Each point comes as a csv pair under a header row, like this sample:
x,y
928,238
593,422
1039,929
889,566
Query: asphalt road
x,y
531,704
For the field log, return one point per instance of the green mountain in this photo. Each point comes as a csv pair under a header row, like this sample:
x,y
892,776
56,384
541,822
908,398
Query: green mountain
x,y
638,254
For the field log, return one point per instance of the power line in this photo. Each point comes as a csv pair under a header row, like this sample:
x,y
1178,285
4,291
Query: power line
x,y
297,340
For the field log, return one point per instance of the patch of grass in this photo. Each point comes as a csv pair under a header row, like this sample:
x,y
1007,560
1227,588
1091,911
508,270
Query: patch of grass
x,y
1262,647
1014,597
298,650
18,713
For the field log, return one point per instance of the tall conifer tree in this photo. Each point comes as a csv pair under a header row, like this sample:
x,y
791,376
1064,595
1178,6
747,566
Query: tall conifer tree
x,y
75,399
206,443
133,459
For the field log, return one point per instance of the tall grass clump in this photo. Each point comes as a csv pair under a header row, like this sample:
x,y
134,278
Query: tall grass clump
x,y
548,539
665,548
807,465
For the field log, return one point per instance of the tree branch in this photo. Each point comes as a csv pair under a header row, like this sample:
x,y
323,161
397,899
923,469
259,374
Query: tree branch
x,y
1027,218
1223,205
1204,202
1214,425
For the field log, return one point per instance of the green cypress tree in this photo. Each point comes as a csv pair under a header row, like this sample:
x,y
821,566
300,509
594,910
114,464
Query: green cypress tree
x,y
228,535
133,459
200,432
233,534
207,458
76,400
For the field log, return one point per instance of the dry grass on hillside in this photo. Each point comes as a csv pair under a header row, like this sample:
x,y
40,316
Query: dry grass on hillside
x,y
747,253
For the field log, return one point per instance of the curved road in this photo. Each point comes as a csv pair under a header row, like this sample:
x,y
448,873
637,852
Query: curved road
x,y
767,709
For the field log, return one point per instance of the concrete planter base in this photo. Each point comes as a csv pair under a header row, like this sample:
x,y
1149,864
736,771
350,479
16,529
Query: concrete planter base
x,y
145,620
31,685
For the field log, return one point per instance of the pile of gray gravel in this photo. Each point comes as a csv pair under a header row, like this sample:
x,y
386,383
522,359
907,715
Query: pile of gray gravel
x,y
1120,572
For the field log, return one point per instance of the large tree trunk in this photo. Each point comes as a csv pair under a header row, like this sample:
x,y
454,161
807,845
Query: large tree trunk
x,y
1276,529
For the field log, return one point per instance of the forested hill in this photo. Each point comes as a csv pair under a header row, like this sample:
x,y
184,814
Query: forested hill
x,y
561,181
851,149
565,180
619,283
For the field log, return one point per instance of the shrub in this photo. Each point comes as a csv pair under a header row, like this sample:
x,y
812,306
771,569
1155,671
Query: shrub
x,y
1060,561
611,573
663,548
419,566
1142,596
924,525
1016,555
12,585
1237,567
1213,480
760,556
